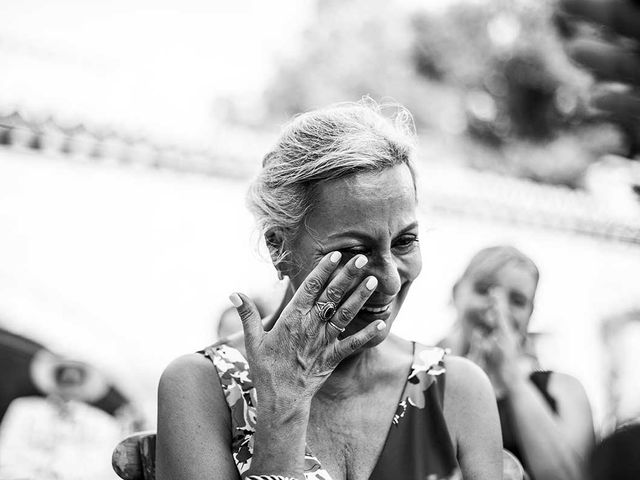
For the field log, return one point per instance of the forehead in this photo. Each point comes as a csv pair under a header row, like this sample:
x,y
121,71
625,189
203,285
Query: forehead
x,y
513,276
365,201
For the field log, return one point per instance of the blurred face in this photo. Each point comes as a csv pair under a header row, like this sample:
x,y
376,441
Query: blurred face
x,y
514,280
373,214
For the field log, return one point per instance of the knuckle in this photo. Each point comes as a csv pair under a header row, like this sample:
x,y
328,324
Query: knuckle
x,y
345,314
354,343
245,314
334,293
312,286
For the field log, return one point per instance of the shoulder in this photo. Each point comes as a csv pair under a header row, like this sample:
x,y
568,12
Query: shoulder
x,y
186,368
189,378
565,384
569,394
468,394
471,414
464,377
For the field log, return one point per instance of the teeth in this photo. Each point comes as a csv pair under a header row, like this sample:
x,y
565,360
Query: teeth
x,y
376,310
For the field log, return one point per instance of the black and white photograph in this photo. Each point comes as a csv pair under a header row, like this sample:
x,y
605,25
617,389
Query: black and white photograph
x,y
320,240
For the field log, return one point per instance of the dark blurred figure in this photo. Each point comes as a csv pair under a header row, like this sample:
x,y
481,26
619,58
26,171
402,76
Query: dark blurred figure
x,y
29,369
603,36
545,416
617,457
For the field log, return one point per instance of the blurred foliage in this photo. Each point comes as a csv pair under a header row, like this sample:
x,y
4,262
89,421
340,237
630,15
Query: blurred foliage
x,y
490,74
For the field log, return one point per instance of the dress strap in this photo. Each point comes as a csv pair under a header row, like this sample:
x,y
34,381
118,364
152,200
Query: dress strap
x,y
241,397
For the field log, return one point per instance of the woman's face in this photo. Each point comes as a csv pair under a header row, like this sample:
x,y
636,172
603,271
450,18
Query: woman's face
x,y
514,280
374,214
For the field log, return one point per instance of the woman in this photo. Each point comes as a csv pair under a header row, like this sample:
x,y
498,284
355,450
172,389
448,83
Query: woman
x,y
330,393
545,416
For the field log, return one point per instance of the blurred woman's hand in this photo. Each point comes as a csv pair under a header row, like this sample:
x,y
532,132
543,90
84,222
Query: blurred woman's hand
x,y
498,352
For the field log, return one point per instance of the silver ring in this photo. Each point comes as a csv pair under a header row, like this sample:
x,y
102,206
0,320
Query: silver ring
x,y
326,310
335,326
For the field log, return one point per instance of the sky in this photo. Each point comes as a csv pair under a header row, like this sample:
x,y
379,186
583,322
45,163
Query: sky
x,y
155,65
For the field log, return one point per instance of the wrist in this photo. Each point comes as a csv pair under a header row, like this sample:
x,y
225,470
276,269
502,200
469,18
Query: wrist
x,y
280,437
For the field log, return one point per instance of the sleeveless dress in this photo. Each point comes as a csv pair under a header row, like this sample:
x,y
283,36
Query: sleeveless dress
x,y
417,446
540,378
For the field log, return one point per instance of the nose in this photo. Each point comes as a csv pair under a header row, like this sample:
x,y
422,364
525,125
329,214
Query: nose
x,y
386,270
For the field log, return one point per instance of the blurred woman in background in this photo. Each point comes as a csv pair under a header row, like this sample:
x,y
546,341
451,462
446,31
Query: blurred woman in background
x,y
545,416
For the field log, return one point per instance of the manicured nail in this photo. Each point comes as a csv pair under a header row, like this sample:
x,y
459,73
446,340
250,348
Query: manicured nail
x,y
381,325
335,257
371,283
235,299
361,261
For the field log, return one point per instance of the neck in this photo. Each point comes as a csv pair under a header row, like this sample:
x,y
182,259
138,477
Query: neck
x,y
355,374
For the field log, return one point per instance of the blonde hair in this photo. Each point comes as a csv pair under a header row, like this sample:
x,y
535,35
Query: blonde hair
x,y
322,145
491,259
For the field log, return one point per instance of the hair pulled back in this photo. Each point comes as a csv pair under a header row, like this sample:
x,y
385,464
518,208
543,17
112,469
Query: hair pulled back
x,y
319,146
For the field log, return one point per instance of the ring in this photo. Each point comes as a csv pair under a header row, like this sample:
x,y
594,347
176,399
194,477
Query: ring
x,y
326,310
335,326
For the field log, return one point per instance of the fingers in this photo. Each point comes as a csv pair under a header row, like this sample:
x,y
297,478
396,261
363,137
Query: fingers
x,y
344,281
607,61
621,16
351,306
307,295
251,321
348,346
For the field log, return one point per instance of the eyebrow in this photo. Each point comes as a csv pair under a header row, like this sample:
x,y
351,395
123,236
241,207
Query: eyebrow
x,y
362,235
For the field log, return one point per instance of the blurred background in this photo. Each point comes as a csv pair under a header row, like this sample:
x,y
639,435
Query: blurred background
x,y
130,130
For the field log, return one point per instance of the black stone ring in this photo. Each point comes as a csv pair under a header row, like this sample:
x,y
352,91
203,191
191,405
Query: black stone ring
x,y
326,310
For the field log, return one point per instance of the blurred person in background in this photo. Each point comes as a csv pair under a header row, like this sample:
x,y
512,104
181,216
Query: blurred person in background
x,y
336,200
29,369
545,416
609,49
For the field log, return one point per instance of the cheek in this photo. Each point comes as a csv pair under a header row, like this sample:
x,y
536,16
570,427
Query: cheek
x,y
411,266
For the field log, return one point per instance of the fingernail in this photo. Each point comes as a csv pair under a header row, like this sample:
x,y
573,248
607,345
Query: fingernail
x,y
371,283
381,325
335,257
235,299
361,261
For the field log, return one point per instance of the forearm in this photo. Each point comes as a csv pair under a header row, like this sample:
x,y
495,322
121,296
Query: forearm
x,y
280,438
547,452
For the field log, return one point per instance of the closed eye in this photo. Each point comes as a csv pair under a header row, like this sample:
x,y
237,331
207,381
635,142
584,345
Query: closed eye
x,y
406,243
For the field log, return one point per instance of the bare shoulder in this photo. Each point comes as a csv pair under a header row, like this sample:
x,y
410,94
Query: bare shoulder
x,y
191,369
573,411
468,394
562,385
465,378
471,414
194,424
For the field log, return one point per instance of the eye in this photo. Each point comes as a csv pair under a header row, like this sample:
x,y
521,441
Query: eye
x,y
518,300
355,250
405,243
482,288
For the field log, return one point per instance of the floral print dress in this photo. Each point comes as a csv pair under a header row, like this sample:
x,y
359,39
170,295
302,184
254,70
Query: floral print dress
x,y
417,447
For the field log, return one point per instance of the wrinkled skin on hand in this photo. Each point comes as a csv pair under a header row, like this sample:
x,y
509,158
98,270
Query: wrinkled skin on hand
x,y
294,358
